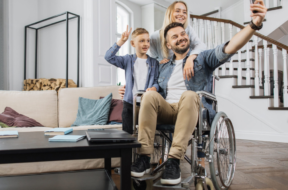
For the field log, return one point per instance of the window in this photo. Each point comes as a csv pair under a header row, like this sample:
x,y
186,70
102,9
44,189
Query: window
x,y
123,19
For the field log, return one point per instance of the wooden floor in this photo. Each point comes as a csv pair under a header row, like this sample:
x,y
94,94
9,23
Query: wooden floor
x,y
260,166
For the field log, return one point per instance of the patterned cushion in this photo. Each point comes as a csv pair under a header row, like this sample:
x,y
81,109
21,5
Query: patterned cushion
x,y
93,112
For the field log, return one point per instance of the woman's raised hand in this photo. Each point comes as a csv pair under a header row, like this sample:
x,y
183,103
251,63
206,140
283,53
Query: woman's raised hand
x,y
124,37
164,61
188,71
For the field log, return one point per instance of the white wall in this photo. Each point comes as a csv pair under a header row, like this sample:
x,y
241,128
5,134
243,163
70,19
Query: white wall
x,y
234,12
2,68
20,13
201,7
52,40
148,17
251,118
137,12
98,23
153,16
159,13
284,40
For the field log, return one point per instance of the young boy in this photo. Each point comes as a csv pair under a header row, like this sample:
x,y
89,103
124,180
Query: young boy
x,y
141,71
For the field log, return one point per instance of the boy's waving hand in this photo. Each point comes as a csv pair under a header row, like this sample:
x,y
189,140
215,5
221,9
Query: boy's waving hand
x,y
124,37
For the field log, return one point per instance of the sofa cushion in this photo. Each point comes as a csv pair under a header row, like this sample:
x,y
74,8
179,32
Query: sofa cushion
x,y
68,101
18,120
116,108
93,112
38,105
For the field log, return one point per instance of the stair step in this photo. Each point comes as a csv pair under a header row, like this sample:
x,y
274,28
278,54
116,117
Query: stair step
x,y
244,51
242,60
235,69
234,76
243,86
278,108
260,97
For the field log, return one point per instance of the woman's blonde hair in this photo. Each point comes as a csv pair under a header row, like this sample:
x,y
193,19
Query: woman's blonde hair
x,y
166,22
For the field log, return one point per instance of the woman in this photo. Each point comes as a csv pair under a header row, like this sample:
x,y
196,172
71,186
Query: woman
x,y
176,12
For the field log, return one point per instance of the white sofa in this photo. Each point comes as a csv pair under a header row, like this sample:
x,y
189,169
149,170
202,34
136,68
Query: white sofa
x,y
53,111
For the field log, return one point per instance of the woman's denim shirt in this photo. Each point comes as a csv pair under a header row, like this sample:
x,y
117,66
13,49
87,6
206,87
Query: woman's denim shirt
x,y
204,65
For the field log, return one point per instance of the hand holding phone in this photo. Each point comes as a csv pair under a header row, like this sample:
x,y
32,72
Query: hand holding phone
x,y
252,2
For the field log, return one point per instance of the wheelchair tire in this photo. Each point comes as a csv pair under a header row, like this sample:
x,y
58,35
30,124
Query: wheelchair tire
x,y
222,148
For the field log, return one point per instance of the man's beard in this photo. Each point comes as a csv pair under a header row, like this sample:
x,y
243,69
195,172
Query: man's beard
x,y
179,50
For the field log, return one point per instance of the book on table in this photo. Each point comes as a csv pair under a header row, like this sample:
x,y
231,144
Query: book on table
x,y
58,131
8,134
67,138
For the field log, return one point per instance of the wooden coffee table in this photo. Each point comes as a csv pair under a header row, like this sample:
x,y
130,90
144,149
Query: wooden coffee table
x,y
35,147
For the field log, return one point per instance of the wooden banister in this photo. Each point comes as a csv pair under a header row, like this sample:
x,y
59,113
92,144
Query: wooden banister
x,y
270,40
210,13
269,46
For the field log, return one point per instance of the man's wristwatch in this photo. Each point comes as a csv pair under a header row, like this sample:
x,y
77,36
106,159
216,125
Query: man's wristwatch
x,y
254,27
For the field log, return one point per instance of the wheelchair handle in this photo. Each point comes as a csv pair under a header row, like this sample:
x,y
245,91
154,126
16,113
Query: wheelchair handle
x,y
207,95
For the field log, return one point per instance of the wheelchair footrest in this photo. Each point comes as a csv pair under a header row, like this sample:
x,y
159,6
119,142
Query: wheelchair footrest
x,y
184,184
148,177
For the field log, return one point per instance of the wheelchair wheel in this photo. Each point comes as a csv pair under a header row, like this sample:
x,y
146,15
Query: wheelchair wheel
x,y
223,150
160,152
209,184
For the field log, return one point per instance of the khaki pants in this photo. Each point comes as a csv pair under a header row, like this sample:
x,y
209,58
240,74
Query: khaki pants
x,y
154,109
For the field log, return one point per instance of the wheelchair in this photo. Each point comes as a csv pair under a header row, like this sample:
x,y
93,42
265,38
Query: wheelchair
x,y
217,142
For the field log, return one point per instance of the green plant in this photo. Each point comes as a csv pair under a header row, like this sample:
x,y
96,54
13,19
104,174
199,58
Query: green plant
x,y
119,84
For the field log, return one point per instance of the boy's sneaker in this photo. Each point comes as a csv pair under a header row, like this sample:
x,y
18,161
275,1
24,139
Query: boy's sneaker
x,y
172,173
141,166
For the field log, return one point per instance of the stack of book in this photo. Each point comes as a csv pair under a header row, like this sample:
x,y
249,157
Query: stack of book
x,y
8,134
59,131
67,138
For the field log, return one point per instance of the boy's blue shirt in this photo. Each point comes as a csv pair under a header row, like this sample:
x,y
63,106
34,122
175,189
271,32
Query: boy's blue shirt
x,y
127,62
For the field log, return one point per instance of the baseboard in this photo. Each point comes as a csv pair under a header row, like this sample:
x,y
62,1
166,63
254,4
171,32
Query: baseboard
x,y
260,136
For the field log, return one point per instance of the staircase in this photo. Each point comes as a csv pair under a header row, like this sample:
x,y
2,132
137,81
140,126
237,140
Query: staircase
x,y
250,90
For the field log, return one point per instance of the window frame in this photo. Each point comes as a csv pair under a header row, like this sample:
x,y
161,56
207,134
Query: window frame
x,y
130,24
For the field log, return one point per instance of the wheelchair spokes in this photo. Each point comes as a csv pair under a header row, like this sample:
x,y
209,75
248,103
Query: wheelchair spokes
x,y
223,149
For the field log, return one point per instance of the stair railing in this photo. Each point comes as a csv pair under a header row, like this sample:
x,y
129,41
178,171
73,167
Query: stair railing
x,y
252,59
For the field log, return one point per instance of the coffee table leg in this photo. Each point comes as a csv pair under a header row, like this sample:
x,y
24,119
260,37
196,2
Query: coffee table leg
x,y
108,165
126,160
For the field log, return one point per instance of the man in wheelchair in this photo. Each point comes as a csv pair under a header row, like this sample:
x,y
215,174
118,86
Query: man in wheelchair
x,y
178,102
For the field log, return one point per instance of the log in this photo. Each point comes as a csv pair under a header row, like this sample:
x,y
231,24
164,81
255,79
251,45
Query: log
x,y
47,84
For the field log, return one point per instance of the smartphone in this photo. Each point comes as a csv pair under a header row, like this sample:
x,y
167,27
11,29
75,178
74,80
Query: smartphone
x,y
252,2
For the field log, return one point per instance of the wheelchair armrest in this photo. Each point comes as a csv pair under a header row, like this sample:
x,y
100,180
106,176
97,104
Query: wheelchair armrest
x,y
207,95
137,97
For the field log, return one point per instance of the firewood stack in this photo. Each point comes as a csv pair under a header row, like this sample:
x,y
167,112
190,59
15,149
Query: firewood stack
x,y
47,84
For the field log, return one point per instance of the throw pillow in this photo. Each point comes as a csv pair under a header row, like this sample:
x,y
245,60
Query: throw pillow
x,y
3,125
116,108
93,112
12,118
